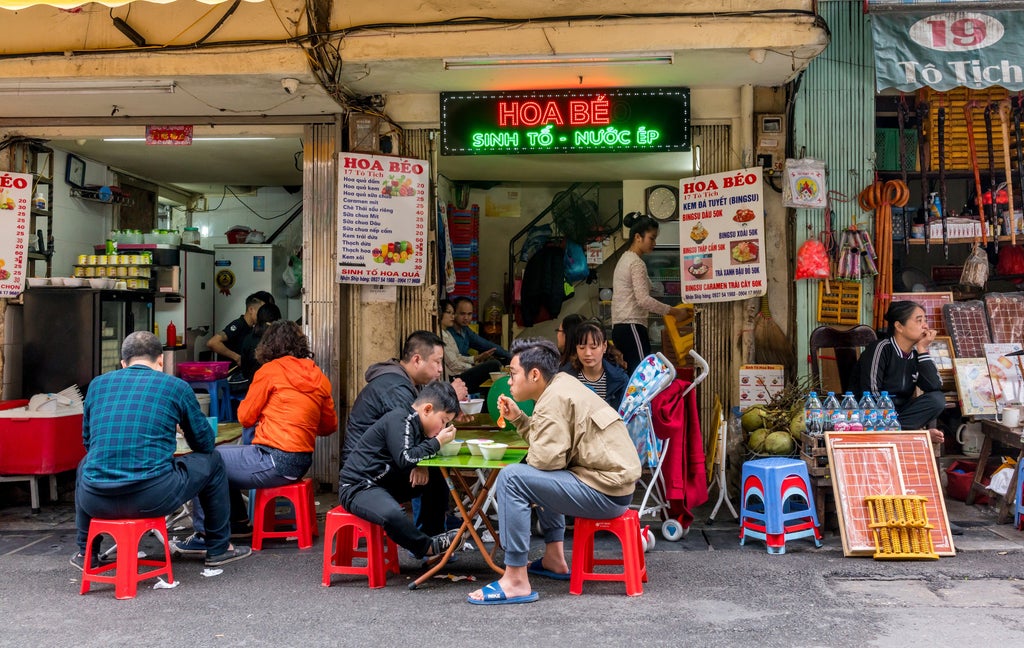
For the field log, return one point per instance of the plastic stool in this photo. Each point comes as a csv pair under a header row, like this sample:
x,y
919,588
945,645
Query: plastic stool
x,y
220,397
345,529
265,520
1018,515
634,567
767,512
126,534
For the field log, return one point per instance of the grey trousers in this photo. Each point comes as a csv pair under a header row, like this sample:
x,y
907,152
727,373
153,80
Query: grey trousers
x,y
556,493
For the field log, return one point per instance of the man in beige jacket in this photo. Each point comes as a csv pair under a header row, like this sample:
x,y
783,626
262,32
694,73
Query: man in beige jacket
x,y
581,462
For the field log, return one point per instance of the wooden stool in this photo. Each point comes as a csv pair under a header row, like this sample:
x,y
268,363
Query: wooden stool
x,y
265,520
634,567
126,534
345,529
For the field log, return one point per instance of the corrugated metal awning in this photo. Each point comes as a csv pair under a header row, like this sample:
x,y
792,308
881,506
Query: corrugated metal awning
x,y
71,4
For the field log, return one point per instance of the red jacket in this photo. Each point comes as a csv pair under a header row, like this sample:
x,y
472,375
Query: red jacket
x,y
289,402
675,417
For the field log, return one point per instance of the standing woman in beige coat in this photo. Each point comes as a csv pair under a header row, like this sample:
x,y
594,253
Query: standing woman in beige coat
x,y
631,293
581,462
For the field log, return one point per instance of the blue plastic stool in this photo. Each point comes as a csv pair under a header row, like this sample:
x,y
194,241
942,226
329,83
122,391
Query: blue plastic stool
x,y
220,397
1018,515
778,503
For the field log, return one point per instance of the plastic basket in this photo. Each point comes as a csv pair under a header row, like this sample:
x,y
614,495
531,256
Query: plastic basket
x,y
900,527
203,371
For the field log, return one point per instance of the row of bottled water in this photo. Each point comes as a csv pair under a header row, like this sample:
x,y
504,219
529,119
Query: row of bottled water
x,y
871,412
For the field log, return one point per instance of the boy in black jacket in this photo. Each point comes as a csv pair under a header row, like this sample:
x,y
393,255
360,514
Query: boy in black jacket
x,y
381,470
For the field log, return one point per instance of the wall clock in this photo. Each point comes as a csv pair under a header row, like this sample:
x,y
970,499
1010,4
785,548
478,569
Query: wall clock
x,y
662,202
75,172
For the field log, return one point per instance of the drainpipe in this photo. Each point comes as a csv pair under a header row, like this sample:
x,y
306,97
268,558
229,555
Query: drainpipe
x,y
747,124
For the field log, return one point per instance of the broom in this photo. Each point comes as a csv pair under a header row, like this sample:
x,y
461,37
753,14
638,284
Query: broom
x,y
771,346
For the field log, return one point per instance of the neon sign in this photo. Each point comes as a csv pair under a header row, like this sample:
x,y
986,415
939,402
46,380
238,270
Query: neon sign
x,y
565,121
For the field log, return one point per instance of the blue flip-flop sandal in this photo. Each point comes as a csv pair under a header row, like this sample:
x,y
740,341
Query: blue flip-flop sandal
x,y
537,568
494,595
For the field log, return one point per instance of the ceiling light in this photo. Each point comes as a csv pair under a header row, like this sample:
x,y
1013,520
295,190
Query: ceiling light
x,y
194,139
649,58
84,87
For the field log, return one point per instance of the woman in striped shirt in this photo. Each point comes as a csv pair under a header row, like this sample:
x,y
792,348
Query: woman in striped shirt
x,y
596,365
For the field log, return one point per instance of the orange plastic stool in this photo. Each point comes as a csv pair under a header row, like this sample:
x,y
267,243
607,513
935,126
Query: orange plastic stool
x,y
345,530
265,521
634,567
126,534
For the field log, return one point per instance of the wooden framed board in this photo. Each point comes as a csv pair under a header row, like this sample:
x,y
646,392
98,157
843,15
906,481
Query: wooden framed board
x,y
884,463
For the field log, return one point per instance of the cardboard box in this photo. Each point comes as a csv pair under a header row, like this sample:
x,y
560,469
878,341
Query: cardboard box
x,y
759,382
39,443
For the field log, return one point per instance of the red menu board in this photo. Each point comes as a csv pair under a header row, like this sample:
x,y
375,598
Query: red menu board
x,y
382,224
15,194
721,232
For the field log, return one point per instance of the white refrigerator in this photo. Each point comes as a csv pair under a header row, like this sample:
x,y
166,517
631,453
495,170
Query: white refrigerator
x,y
239,271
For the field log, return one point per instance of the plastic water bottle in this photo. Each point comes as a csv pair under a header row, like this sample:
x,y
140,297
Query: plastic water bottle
x,y
832,412
851,412
814,415
890,419
869,414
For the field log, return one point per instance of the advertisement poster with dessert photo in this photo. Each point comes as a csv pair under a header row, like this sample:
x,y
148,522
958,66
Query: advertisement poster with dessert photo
x,y
382,224
15,193
721,232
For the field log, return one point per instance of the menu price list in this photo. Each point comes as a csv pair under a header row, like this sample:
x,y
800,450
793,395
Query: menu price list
x,y
382,227
15,194
721,227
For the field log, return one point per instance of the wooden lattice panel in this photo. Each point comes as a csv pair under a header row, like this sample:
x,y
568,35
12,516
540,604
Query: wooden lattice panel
x,y
958,154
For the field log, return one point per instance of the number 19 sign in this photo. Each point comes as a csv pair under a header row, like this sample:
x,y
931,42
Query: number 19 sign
x,y
382,221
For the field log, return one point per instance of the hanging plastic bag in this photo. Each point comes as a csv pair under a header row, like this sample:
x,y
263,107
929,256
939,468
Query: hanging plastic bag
x,y
804,184
975,271
292,277
812,260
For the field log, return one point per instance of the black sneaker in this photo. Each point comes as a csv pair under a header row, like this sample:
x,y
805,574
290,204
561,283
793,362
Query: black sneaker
x,y
78,561
231,555
241,531
440,543
194,545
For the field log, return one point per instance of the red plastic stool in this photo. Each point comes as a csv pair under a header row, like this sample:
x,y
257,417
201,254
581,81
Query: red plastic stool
x,y
265,520
345,530
634,567
126,534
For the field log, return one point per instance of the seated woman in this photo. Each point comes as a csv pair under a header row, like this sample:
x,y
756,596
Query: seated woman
x,y
596,365
473,370
290,404
900,363
247,364
564,337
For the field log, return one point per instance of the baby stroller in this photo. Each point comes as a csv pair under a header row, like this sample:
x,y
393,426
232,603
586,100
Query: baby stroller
x,y
650,378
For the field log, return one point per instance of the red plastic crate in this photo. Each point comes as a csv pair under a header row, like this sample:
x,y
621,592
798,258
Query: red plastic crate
x,y
203,371
35,443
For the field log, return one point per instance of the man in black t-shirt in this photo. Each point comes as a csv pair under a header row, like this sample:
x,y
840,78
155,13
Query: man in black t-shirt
x,y
228,343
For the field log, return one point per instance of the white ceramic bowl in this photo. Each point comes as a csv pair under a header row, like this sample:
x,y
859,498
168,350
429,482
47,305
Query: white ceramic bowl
x,y
474,445
35,282
74,282
493,451
56,281
472,406
99,282
497,375
452,448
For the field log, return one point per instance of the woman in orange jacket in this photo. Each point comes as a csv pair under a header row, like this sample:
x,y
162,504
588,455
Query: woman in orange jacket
x,y
290,404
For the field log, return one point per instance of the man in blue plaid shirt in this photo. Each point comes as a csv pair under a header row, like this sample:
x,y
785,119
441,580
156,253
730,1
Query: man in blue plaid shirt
x,y
130,471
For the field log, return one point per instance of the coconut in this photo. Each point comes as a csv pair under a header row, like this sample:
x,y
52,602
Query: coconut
x,y
779,443
753,418
797,425
756,440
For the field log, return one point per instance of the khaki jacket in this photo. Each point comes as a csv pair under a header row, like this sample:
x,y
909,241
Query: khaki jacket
x,y
573,429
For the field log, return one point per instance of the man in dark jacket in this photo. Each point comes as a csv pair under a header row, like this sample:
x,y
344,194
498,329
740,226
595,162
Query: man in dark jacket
x,y
394,385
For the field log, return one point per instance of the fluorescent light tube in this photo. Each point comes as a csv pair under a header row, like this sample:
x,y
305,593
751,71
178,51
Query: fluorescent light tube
x,y
71,88
648,58
194,139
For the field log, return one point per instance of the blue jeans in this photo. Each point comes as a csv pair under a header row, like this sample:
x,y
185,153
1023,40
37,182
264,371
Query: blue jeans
x,y
195,475
247,466
556,493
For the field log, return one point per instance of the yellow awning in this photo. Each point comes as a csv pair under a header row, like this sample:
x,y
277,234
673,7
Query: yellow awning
x,y
71,4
